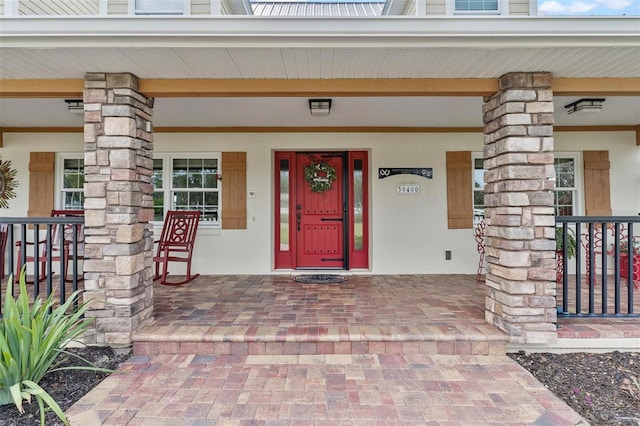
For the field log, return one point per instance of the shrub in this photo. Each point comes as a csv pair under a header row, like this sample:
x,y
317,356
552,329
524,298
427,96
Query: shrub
x,y
571,241
31,338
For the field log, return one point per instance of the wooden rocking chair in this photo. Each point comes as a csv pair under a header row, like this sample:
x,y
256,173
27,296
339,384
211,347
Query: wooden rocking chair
x,y
176,244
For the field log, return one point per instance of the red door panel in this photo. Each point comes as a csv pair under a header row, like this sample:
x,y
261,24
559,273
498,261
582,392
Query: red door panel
x,y
329,229
319,216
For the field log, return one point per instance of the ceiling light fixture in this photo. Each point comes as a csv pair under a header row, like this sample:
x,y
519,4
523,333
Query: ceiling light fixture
x,y
75,106
585,104
320,107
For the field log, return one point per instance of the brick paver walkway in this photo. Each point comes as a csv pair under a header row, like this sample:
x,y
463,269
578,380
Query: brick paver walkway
x,y
375,350
321,390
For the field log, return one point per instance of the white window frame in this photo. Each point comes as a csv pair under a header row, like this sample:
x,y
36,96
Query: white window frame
x,y
59,177
184,11
475,156
578,188
167,181
503,9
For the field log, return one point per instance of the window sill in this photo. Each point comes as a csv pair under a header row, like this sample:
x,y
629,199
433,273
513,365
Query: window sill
x,y
477,12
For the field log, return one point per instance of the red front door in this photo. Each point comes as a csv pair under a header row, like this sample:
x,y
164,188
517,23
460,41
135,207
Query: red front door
x,y
320,210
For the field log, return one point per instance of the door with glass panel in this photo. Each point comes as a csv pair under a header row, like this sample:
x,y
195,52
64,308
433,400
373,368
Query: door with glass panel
x,y
321,210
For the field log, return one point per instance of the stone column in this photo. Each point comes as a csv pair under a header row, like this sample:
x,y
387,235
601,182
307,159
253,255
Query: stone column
x,y
520,238
118,207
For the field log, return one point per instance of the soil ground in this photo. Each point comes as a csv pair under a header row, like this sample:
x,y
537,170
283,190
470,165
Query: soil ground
x,y
602,388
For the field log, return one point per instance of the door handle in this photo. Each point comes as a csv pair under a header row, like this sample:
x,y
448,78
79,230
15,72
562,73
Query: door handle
x,y
298,219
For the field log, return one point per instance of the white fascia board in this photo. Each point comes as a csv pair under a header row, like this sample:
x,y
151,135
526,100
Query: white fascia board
x,y
387,31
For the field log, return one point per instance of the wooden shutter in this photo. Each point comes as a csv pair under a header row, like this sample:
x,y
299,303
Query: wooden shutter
x,y
41,183
234,190
459,190
597,196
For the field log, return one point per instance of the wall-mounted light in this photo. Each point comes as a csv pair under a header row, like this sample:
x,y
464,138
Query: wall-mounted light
x,y
320,107
585,104
75,106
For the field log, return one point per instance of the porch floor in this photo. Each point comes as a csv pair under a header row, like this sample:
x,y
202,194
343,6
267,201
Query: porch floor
x,y
392,314
437,314
593,327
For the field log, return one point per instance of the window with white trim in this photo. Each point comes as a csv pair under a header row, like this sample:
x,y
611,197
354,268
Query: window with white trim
x,y
565,194
158,7
187,182
476,6
70,174
478,187
566,185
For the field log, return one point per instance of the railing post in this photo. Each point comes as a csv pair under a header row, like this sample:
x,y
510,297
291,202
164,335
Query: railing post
x,y
37,247
605,235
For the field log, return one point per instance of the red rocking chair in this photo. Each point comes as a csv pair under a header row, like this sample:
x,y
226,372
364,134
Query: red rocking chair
x,y
176,244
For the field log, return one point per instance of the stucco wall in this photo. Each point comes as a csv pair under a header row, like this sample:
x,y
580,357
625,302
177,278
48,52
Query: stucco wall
x,y
624,156
408,233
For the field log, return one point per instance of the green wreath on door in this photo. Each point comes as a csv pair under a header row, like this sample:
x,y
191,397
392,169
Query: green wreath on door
x,y
320,176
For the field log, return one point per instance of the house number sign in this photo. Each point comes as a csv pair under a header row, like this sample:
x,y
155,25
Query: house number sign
x,y
410,188
425,172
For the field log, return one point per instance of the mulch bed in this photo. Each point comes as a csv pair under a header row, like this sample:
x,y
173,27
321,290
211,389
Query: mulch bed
x,y
598,386
67,386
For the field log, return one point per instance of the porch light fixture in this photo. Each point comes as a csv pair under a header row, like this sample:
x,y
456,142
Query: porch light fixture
x,y
75,106
585,104
320,107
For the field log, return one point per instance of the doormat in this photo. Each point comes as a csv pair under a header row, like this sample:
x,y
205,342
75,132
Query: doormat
x,y
319,279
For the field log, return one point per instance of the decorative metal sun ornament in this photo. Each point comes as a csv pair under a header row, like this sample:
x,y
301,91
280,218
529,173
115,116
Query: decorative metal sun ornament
x,y
8,183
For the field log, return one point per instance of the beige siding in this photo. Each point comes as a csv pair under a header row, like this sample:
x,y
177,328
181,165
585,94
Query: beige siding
x,y
200,7
1,7
518,7
436,7
118,7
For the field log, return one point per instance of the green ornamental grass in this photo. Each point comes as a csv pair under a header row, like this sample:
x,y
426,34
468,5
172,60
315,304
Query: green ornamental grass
x,y
31,338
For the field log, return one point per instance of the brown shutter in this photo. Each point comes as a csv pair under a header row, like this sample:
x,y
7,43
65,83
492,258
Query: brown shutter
x,y
459,190
41,183
234,190
597,196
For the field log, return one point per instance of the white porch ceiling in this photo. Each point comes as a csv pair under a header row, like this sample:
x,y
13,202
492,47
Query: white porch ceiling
x,y
309,63
315,48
